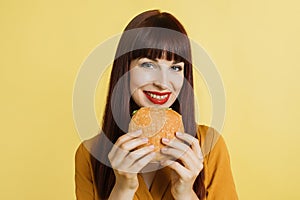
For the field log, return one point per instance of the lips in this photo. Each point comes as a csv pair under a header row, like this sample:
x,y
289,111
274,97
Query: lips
x,y
157,97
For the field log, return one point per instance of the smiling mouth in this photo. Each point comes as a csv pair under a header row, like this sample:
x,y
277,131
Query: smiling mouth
x,y
157,97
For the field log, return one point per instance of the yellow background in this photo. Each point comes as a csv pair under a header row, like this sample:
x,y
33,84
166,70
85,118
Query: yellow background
x,y
255,45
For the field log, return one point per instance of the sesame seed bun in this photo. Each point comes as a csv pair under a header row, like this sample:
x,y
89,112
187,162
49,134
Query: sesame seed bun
x,y
156,123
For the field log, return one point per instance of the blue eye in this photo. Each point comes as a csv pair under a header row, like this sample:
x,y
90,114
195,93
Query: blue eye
x,y
147,65
177,68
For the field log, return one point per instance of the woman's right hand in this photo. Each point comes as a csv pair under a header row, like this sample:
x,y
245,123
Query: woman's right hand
x,y
127,161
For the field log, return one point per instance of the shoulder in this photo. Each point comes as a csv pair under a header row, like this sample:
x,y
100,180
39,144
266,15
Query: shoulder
x,y
204,131
218,180
83,161
213,147
209,139
84,149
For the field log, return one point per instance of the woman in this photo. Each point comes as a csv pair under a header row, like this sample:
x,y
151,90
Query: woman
x,y
152,68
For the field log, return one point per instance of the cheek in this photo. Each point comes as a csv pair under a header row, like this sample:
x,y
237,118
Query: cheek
x,y
177,81
139,78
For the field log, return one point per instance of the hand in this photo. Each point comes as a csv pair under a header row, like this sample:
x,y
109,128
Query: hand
x,y
127,161
187,167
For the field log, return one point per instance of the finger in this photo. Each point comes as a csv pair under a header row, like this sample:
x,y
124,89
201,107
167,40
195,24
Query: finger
x,y
193,153
125,148
134,143
186,150
141,163
137,154
121,140
118,156
194,142
187,158
178,168
128,136
175,143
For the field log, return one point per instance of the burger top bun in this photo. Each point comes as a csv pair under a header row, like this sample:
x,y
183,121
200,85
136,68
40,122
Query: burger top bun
x,y
156,123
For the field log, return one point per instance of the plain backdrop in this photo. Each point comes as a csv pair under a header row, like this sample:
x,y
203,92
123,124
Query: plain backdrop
x,y
255,45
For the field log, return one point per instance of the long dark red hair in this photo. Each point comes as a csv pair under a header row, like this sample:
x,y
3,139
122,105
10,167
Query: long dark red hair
x,y
138,40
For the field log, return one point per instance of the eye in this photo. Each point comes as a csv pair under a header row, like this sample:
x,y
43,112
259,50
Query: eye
x,y
147,65
177,68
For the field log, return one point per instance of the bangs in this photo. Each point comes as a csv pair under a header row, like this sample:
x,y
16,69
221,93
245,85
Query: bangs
x,y
156,54
161,43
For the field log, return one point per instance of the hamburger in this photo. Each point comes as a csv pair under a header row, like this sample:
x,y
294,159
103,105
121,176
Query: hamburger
x,y
156,123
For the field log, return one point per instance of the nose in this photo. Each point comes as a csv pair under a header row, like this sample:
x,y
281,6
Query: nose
x,y
161,80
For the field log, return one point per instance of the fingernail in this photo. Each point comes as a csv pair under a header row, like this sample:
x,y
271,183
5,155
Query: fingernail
x,y
151,146
145,139
165,140
179,134
164,149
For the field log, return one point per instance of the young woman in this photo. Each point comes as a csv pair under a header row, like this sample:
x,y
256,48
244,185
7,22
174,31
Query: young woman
x,y
152,68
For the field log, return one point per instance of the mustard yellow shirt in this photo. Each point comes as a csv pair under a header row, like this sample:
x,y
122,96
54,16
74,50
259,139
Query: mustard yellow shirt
x,y
218,180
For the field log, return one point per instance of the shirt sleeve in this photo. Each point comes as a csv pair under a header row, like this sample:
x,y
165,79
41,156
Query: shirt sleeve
x,y
83,177
219,181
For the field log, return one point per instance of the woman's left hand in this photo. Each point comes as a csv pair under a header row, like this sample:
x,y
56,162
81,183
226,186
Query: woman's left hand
x,y
187,167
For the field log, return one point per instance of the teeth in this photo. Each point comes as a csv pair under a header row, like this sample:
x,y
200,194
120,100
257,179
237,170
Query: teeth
x,y
158,96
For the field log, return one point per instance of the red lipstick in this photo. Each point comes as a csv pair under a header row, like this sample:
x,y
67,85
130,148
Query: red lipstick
x,y
157,97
